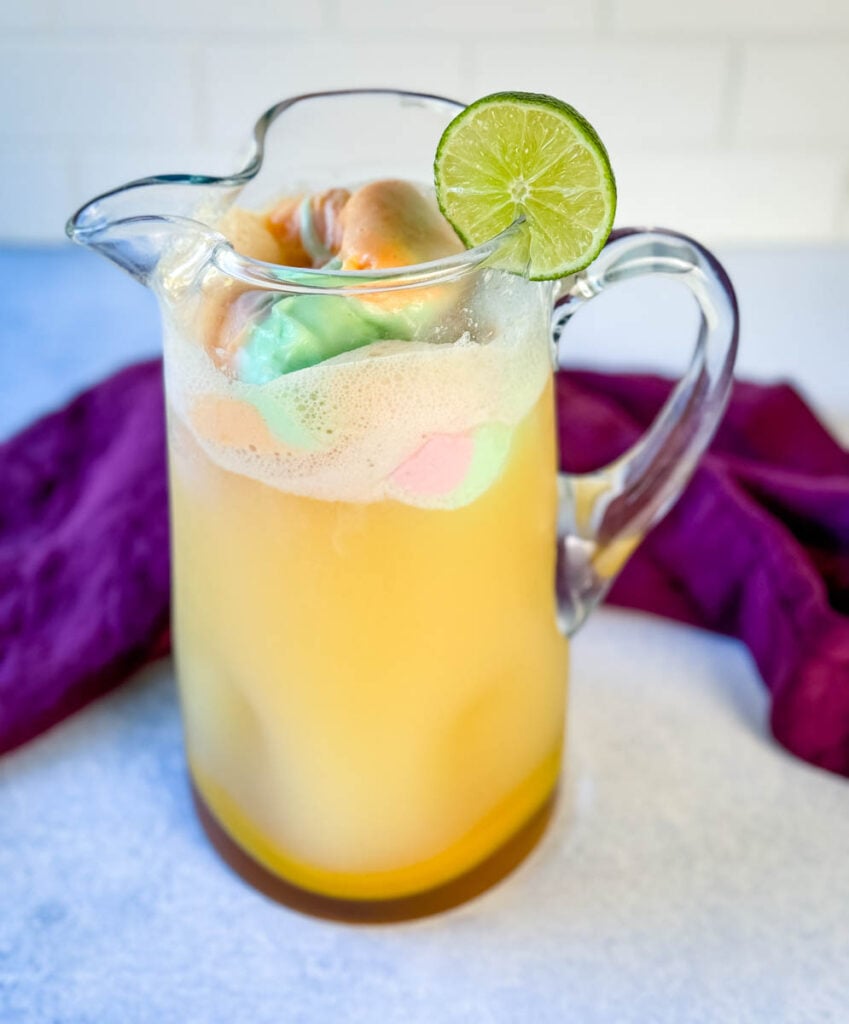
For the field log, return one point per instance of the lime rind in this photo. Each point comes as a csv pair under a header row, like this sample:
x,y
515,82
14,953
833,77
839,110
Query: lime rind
x,y
525,157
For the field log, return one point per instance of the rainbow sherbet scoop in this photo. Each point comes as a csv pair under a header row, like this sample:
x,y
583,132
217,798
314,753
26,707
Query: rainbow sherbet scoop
x,y
369,432
381,225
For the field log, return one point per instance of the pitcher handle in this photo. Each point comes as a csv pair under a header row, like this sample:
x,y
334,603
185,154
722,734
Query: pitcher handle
x,y
605,514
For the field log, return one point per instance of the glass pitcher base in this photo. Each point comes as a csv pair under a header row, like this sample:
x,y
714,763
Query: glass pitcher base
x,y
465,887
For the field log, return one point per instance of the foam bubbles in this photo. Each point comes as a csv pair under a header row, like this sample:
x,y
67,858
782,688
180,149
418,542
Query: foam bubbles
x,y
340,429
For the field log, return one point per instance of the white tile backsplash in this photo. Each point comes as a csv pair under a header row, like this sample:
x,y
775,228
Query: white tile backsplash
x,y
731,197
258,17
96,90
241,81
634,93
756,18
725,119
796,94
471,19
97,168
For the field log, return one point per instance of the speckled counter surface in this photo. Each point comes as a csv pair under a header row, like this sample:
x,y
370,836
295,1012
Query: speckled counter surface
x,y
693,872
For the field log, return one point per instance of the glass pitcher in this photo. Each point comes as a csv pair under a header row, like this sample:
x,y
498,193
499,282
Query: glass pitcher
x,y
376,566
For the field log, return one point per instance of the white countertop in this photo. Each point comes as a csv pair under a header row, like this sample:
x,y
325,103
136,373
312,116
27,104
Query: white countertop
x,y
694,872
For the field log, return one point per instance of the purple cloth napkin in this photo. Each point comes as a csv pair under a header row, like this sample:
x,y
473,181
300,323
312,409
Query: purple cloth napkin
x,y
757,547
84,560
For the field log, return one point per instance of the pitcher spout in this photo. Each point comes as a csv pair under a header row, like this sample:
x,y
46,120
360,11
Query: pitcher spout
x,y
137,224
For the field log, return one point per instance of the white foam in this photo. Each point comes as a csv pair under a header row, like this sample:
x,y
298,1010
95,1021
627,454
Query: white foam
x,y
367,410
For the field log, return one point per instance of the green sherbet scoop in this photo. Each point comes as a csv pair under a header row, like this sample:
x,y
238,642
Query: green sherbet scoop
x,y
304,330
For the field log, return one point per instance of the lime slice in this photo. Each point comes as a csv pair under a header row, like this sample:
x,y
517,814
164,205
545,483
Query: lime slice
x,y
519,155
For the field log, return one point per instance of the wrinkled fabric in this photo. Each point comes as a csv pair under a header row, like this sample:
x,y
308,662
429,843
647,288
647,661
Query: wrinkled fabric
x,y
757,547
84,563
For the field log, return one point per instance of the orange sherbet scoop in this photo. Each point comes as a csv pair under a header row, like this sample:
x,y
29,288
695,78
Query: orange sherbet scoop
x,y
392,224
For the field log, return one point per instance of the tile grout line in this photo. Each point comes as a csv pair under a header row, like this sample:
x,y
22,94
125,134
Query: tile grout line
x,y
604,27
729,103
200,97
